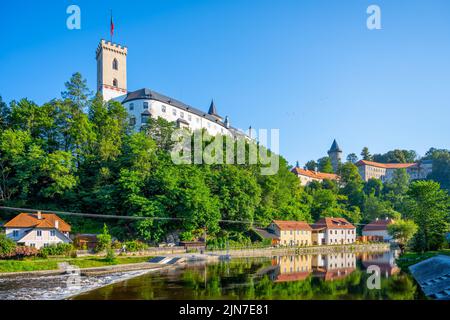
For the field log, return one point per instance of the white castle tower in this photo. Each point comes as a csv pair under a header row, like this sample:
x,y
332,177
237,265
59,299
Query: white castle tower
x,y
111,70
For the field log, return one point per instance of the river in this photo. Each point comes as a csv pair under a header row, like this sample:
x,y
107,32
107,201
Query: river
x,y
340,276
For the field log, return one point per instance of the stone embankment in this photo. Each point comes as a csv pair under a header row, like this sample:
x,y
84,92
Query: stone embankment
x,y
267,252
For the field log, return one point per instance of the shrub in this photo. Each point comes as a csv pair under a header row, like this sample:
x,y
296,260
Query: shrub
x,y
104,240
110,255
7,246
21,252
60,249
135,245
116,244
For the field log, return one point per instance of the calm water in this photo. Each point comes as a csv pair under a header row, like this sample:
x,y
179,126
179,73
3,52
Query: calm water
x,y
335,276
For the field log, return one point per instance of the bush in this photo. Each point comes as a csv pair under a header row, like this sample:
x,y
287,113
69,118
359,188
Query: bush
x,y
116,244
135,245
110,256
104,240
21,252
7,246
60,249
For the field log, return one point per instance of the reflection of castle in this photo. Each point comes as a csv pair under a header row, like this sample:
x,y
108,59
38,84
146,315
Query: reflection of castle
x,y
299,267
385,261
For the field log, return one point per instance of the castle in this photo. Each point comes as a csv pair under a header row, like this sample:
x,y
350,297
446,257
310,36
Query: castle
x,y
144,104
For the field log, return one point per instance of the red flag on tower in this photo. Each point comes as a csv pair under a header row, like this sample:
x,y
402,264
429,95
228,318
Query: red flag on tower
x,y
112,26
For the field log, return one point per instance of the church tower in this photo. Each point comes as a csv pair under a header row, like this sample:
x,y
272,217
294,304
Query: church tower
x,y
111,70
335,154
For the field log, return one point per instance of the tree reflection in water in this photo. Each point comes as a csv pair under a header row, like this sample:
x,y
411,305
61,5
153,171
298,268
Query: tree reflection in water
x,y
300,277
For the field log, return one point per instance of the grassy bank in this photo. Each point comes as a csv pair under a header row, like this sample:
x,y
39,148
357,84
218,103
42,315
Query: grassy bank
x,y
38,264
410,258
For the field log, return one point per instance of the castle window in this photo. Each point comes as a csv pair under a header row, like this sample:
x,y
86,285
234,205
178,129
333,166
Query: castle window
x,y
145,105
174,112
163,109
115,64
115,83
131,106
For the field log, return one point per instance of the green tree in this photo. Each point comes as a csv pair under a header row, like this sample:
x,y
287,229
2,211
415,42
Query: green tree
x,y
352,157
324,165
7,246
104,240
77,91
311,165
429,208
365,154
441,166
402,231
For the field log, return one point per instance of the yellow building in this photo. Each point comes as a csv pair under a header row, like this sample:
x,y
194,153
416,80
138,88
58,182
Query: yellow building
x,y
291,233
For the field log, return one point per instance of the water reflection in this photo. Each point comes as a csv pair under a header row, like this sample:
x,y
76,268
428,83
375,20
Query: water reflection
x,y
332,276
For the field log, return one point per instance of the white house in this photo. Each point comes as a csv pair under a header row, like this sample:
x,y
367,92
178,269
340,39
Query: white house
x,y
331,231
37,230
378,228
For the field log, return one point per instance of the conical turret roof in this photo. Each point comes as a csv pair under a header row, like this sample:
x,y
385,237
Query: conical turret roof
x,y
335,147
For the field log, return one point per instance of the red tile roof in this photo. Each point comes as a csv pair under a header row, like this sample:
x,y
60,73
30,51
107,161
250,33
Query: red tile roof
x,y
378,225
30,220
315,175
295,276
292,225
333,223
385,165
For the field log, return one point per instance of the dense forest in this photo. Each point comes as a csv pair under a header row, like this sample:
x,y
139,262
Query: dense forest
x,y
79,153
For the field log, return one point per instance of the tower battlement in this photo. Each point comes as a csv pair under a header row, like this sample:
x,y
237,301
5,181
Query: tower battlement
x,y
111,69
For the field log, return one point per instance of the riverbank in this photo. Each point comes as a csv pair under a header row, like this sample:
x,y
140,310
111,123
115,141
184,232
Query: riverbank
x,y
410,258
273,251
53,265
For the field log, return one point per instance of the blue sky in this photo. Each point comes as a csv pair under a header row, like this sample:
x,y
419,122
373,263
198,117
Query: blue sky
x,y
310,68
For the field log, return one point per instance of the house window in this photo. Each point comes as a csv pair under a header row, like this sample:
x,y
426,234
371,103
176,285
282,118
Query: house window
x,y
115,83
145,105
131,106
182,115
174,112
15,233
39,233
115,64
144,118
163,109
33,245
52,233
132,121
46,244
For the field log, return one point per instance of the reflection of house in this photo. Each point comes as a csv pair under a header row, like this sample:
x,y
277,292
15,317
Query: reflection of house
x,y
308,176
385,261
378,228
37,230
334,266
328,231
291,268
291,233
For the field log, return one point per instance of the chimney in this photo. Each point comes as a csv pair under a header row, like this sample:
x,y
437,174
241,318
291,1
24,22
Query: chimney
x,y
39,215
57,224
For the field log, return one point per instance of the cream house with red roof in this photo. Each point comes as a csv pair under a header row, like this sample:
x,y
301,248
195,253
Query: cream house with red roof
x,y
308,176
379,228
291,233
333,231
38,230
385,171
